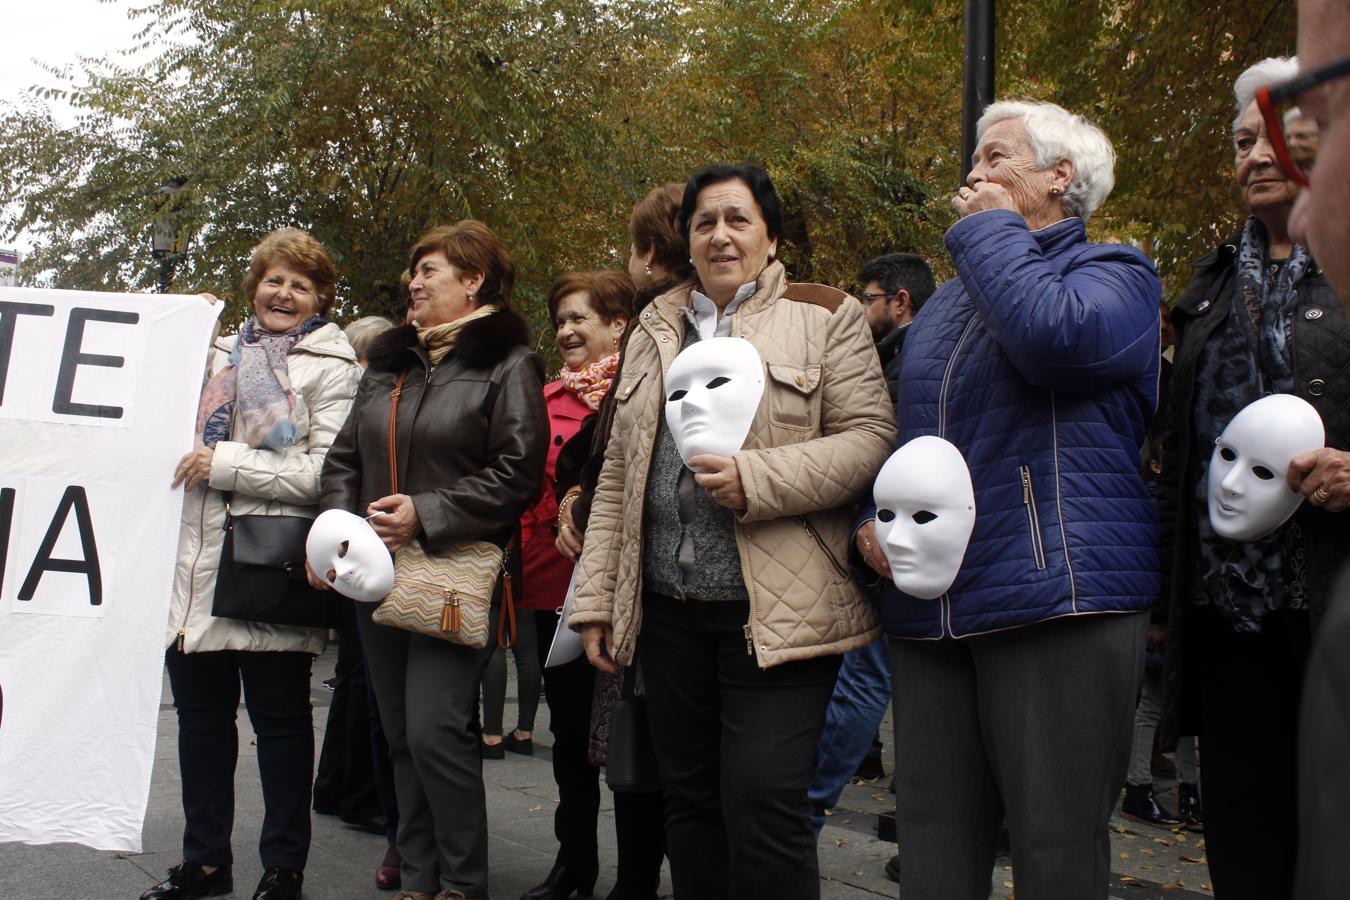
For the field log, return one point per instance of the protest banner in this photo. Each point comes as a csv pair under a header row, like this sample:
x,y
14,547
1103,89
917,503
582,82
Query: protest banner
x,y
98,394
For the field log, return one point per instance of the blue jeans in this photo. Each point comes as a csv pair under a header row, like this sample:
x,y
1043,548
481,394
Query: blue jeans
x,y
861,696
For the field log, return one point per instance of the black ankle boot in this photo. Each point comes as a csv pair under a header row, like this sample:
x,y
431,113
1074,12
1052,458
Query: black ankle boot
x,y
1188,806
1141,805
187,881
564,881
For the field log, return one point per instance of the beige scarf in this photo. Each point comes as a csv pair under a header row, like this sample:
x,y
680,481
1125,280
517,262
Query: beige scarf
x,y
440,339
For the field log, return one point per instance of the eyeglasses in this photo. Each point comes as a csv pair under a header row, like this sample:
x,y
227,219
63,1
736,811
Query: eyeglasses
x,y
869,298
1297,149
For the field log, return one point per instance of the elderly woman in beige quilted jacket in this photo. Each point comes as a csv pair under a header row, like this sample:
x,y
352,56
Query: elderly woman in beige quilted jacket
x,y
731,584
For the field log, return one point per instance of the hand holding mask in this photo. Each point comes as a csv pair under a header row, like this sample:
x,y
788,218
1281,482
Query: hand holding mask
x,y
713,389
1249,496
347,555
925,513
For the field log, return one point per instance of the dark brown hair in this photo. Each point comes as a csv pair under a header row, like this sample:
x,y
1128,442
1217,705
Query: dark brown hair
x,y
296,249
611,293
653,226
473,249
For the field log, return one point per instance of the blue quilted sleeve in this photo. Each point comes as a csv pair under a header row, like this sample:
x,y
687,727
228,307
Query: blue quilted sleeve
x,y
1080,321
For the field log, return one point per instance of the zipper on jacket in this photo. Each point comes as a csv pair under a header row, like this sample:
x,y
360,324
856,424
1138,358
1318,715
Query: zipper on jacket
x,y
806,523
947,377
945,602
1033,520
749,641
192,573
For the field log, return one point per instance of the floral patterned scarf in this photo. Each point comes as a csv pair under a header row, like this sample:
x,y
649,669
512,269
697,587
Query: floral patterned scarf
x,y
257,380
591,382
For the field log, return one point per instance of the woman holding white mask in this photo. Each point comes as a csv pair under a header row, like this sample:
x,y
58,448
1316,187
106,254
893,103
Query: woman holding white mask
x,y
1258,318
724,631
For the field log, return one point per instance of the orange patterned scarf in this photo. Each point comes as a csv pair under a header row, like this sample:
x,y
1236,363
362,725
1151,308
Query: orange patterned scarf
x,y
591,382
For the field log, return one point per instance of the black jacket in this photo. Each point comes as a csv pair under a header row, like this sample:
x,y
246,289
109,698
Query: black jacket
x,y
472,432
1320,344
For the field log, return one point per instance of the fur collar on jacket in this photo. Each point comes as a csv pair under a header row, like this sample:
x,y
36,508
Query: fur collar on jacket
x,y
481,345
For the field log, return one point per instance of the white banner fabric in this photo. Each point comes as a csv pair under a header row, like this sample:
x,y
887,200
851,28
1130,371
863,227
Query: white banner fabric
x,y
98,399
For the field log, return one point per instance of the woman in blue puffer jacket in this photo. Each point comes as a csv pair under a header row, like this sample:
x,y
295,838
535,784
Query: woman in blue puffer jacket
x,y
1014,692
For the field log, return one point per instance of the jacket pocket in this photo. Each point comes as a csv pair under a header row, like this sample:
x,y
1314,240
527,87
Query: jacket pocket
x,y
794,396
1033,520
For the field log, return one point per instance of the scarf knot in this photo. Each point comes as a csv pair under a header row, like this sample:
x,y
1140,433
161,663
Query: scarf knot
x,y
591,382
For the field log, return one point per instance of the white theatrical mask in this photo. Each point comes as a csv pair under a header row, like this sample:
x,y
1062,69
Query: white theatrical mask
x,y
1248,495
347,555
925,513
713,389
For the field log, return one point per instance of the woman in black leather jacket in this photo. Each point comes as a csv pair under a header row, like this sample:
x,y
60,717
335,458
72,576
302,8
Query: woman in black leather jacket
x,y
472,438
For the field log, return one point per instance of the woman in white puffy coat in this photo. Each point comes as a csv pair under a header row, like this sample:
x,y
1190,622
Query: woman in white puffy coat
x,y
276,396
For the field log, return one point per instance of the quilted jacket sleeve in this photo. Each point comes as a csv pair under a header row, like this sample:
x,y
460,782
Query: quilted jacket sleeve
x,y
598,567
291,476
1091,326
857,433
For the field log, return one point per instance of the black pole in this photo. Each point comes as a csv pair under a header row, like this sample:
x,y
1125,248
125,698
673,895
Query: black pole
x,y
165,272
978,90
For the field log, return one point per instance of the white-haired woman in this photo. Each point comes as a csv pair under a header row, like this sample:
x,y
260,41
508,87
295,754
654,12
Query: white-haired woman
x,y
1014,692
1259,317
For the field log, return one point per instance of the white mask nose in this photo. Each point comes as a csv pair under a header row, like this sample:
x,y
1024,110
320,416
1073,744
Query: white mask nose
x,y
1232,482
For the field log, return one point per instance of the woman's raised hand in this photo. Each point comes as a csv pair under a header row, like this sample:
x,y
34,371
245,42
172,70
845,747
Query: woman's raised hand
x,y
398,522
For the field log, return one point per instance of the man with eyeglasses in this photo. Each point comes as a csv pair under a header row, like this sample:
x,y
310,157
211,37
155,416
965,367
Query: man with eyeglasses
x,y
1321,221
897,285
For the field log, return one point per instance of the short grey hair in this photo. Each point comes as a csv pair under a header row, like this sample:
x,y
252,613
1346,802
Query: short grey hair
x,y
364,330
1055,134
1271,70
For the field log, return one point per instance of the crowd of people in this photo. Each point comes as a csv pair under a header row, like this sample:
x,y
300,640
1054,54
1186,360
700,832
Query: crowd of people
x,y
743,603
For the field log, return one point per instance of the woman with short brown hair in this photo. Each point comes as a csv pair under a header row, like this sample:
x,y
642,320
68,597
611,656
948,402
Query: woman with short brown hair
x,y
471,436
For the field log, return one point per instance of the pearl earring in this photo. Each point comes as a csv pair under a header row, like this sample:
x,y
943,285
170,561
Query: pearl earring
x,y
648,271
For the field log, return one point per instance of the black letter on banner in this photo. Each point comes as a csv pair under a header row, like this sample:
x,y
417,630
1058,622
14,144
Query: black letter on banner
x,y
73,497
9,317
72,358
6,523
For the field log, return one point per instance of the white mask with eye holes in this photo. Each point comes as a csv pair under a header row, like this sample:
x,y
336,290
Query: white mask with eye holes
x,y
1249,496
925,513
347,555
713,389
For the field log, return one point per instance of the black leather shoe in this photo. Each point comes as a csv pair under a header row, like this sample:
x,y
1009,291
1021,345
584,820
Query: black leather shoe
x,y
563,882
1188,806
1142,805
187,881
523,746
492,751
892,869
279,884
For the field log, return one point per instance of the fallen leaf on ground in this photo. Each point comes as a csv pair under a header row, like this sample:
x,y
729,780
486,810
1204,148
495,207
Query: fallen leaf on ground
x,y
839,842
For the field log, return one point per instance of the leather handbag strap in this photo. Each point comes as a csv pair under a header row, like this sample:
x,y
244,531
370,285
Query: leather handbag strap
x,y
393,431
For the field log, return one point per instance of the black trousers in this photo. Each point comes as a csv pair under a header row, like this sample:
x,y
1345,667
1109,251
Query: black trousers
x,y
206,688
1035,723
736,746
568,690
1250,686
344,785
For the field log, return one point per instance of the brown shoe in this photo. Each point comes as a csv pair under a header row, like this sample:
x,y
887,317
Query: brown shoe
x,y
414,895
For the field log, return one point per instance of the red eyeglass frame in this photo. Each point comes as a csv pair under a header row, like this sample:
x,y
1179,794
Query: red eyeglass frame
x,y
1269,98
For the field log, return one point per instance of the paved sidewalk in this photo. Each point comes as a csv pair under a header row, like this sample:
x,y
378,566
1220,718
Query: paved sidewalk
x,y
521,798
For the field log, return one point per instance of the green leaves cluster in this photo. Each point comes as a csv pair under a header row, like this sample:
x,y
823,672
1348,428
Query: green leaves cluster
x,y
368,122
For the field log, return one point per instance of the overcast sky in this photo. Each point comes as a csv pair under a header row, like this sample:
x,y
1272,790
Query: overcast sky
x,y
57,32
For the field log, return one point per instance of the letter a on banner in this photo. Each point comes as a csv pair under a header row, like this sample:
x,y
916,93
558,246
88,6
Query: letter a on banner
x,y
98,396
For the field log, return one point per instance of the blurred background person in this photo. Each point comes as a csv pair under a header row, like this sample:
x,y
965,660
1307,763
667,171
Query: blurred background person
x,y
471,439
590,312
277,394
1259,317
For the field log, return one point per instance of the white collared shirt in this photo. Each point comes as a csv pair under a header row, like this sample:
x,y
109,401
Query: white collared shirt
x,y
702,312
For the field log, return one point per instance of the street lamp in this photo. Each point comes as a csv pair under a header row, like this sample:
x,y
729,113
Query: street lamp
x,y
166,244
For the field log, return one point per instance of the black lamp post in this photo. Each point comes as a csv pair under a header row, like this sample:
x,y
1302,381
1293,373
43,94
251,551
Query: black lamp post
x,y
165,242
978,89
